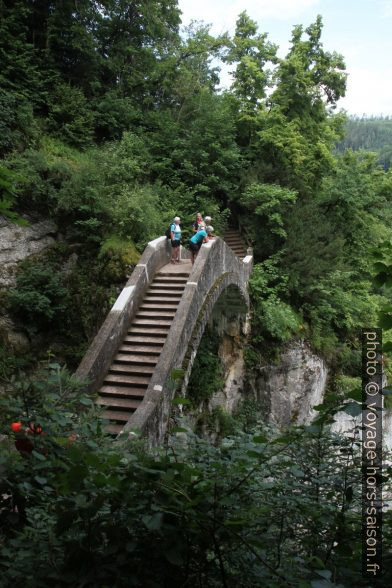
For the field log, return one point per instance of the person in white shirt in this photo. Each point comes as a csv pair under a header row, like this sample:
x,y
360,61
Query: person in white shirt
x,y
175,240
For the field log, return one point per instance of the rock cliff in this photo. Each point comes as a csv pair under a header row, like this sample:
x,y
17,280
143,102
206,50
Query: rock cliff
x,y
18,243
288,391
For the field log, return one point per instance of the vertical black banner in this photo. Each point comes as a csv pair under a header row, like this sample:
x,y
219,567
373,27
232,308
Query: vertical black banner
x,y
372,453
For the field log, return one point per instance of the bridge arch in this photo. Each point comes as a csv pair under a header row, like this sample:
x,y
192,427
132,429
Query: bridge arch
x,y
228,315
216,291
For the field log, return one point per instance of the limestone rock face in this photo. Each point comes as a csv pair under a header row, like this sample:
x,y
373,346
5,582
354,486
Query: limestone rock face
x,y
346,424
17,243
232,358
288,391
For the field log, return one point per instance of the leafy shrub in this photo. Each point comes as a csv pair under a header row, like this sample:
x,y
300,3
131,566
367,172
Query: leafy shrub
x,y
121,256
113,115
277,320
273,318
261,508
70,116
18,129
136,214
10,363
40,296
207,372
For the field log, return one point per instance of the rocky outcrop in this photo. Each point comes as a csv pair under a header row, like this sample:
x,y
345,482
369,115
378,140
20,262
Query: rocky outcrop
x,y
232,357
18,243
288,391
347,425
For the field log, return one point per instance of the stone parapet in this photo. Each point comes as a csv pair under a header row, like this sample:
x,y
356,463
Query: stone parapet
x,y
97,360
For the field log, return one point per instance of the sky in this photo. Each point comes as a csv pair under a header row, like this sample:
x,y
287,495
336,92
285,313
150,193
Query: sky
x,y
361,30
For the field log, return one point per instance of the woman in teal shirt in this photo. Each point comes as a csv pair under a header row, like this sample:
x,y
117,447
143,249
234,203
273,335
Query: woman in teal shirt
x,y
197,240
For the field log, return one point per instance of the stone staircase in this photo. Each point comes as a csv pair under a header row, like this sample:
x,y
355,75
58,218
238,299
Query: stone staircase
x,y
129,374
235,242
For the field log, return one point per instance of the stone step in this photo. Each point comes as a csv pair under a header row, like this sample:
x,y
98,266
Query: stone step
x,y
158,314
117,391
144,339
170,280
167,286
153,300
142,349
147,331
151,322
157,305
128,357
124,380
167,293
172,275
121,416
136,370
115,402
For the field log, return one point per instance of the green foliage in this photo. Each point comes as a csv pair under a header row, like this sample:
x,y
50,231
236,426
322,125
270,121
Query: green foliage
x,y
64,297
137,214
250,52
40,296
272,317
70,116
18,129
126,252
268,205
8,195
207,371
277,320
120,255
369,134
261,508
10,363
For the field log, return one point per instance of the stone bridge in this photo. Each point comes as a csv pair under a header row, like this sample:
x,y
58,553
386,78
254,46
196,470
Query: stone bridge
x,y
214,289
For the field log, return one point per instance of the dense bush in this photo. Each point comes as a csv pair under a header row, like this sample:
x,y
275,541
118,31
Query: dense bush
x,y
40,297
261,508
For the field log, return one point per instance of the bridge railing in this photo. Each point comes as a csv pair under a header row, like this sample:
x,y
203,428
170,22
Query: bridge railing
x,y
97,360
216,268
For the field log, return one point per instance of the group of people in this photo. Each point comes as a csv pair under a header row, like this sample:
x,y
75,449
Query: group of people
x,y
202,233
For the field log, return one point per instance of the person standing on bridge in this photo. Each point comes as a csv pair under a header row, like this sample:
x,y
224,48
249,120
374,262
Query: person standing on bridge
x,y
175,240
197,223
195,242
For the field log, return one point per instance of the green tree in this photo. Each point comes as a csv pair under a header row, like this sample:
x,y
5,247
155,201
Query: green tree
x,y
250,52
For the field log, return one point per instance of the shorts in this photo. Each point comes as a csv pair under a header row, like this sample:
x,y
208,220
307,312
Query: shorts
x,y
175,242
194,246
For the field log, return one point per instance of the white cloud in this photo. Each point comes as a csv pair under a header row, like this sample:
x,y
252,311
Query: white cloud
x,y
368,92
224,13
386,6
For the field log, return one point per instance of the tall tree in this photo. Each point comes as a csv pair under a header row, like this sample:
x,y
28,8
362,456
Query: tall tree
x,y
250,52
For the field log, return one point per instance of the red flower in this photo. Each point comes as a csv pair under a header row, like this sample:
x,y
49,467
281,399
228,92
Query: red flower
x,y
34,429
16,427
